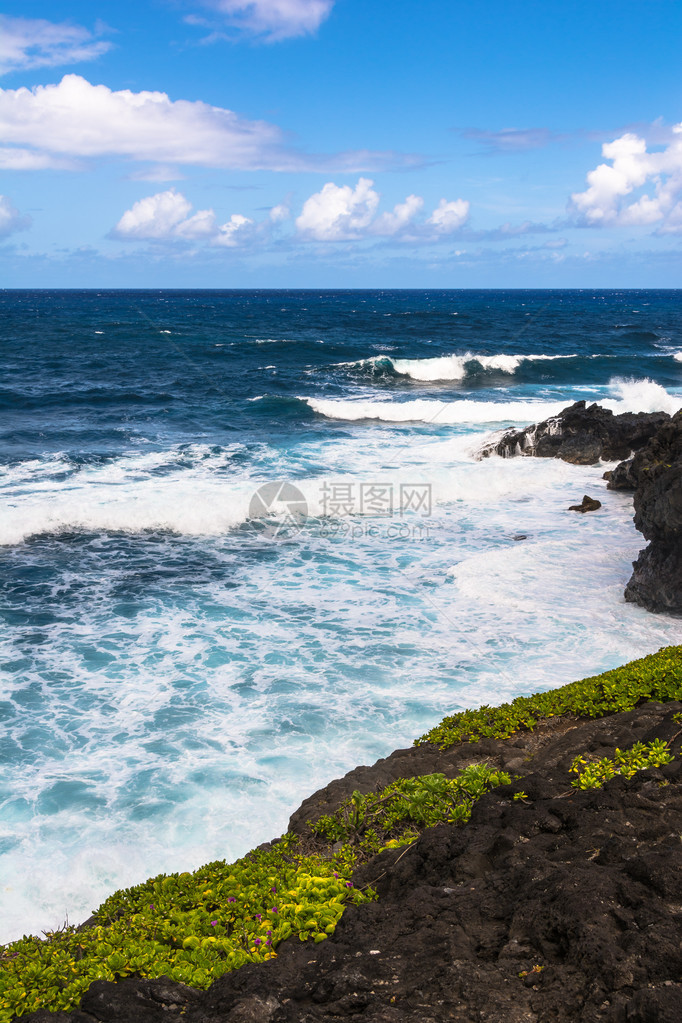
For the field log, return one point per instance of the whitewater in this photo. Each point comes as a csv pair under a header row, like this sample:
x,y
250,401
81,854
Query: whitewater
x,y
246,543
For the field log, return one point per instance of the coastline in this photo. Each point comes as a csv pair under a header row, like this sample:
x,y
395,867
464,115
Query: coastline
x,y
306,981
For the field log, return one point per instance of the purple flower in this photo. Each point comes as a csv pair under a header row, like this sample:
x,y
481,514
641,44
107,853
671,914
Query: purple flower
x,y
231,899
335,874
257,941
349,884
258,917
268,942
274,889
269,934
151,905
274,909
214,923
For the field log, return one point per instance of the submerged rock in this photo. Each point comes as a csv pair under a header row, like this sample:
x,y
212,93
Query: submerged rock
x,y
587,504
581,434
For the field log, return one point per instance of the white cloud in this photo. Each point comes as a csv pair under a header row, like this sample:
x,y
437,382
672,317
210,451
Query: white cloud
x,y
77,119
335,213
273,19
164,216
237,231
403,213
10,218
448,216
279,213
632,167
342,213
14,158
33,42
81,119
338,212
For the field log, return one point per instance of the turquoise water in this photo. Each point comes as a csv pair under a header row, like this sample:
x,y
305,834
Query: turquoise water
x,y
185,655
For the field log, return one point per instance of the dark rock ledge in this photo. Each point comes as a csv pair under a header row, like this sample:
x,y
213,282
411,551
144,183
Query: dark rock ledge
x,y
565,906
650,445
582,434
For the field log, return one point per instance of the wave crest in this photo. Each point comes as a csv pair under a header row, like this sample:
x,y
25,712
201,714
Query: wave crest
x,y
448,367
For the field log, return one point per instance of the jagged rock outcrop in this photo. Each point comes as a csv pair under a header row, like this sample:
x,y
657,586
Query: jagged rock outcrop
x,y
582,434
649,445
562,905
656,474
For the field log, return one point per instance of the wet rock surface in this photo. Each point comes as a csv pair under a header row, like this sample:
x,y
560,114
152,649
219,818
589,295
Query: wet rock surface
x,y
587,504
561,905
582,434
655,474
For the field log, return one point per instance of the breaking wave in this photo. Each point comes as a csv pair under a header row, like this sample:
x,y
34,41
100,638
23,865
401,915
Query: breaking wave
x,y
448,367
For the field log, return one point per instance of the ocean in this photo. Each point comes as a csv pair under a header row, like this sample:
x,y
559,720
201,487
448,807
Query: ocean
x,y
246,544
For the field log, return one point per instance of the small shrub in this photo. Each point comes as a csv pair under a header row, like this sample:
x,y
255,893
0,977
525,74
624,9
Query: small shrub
x,y
396,814
594,774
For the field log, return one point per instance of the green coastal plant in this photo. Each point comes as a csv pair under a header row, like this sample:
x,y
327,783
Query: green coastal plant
x,y
656,677
192,927
592,774
396,814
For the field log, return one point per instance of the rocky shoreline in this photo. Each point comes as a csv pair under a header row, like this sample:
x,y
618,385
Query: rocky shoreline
x,y
648,447
557,905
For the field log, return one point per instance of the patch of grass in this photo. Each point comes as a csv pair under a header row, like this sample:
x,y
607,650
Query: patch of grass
x,y
192,927
656,677
395,815
592,774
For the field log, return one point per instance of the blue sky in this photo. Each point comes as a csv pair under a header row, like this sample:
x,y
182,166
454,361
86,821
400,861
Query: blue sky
x,y
340,143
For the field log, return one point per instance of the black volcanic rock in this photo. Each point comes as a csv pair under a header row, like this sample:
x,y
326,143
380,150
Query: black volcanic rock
x,y
582,434
656,470
562,905
587,504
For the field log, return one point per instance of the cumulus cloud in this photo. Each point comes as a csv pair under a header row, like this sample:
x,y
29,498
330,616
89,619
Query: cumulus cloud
x,y
10,218
237,231
273,19
164,216
33,42
448,216
342,213
78,119
402,214
609,197
167,217
338,212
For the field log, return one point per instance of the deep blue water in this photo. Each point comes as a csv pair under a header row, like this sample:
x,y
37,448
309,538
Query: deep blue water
x,y
177,673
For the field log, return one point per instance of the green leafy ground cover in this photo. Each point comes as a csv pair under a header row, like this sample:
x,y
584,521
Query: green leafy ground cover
x,y
193,927
395,815
656,677
594,774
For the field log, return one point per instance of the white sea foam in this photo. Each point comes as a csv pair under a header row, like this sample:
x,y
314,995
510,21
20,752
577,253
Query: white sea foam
x,y
454,367
677,356
624,396
437,412
640,396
